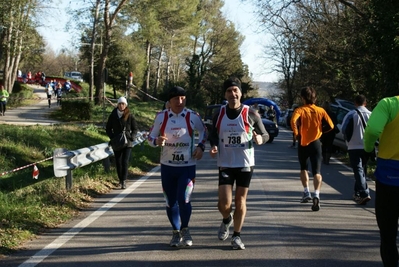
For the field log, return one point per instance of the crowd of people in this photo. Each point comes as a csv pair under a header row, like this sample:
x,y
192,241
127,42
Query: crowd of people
x,y
315,128
55,89
27,77
236,128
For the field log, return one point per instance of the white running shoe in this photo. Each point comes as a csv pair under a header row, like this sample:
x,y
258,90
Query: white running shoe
x,y
224,232
306,197
236,243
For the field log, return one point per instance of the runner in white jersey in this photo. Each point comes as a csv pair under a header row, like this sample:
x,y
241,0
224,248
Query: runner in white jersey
x,y
173,129
236,147
236,128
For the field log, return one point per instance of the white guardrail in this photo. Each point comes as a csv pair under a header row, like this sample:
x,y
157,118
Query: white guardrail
x,y
65,161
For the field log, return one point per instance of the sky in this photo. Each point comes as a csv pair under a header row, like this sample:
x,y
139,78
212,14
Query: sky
x,y
240,14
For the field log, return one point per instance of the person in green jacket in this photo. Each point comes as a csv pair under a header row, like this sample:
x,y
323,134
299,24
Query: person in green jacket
x,y
3,100
383,124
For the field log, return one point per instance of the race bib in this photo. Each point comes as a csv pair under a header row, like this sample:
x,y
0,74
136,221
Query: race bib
x,y
179,156
234,139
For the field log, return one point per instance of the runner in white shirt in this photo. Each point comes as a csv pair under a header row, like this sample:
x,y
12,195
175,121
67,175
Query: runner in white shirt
x,y
235,130
173,129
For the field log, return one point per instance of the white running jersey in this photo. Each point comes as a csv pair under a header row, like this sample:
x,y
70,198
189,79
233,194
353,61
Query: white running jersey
x,y
235,147
179,131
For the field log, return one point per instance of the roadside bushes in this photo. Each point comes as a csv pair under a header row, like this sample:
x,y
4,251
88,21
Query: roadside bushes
x,y
75,110
20,92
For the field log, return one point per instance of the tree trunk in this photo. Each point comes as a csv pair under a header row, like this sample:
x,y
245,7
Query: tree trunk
x,y
109,19
146,85
159,67
92,48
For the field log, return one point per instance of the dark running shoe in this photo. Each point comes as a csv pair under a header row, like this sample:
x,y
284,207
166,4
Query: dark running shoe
x,y
316,204
363,200
176,239
186,240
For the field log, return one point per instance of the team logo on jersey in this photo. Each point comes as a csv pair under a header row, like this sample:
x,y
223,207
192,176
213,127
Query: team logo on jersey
x,y
178,132
177,144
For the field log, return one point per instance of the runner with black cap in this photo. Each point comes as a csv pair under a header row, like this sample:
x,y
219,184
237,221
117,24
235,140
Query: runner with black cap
x,y
235,130
173,130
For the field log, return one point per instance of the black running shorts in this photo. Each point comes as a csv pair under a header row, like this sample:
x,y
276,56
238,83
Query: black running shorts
x,y
242,176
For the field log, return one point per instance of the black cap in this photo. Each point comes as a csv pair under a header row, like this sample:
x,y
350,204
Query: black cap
x,y
232,81
176,91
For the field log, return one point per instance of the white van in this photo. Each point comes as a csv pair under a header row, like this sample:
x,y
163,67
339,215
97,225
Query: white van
x,y
75,75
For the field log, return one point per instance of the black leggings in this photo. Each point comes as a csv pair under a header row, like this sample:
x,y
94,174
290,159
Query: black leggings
x,y
122,159
3,106
312,152
387,214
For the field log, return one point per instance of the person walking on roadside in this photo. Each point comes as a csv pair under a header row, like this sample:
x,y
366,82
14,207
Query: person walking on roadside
x,y
4,95
120,120
173,131
49,91
384,124
58,93
306,123
353,126
236,127
327,138
43,77
271,114
67,86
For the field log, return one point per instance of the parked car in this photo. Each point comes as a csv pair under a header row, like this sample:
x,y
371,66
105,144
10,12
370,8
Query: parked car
x,y
282,119
270,126
75,75
341,108
287,118
209,113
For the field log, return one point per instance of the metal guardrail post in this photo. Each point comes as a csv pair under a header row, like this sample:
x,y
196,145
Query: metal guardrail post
x,y
65,161
68,180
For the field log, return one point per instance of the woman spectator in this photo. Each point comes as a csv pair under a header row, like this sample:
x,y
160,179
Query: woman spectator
x,y
120,120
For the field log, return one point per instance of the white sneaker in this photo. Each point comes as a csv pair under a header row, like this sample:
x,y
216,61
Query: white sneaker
x,y
306,197
236,243
224,232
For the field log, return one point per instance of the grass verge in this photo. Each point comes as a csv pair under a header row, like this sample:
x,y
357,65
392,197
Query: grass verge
x,y
30,207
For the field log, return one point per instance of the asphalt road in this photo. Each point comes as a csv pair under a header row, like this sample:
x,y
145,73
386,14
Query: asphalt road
x,y
36,114
130,228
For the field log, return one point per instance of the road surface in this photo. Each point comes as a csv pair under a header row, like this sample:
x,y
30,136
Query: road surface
x,y
36,114
130,228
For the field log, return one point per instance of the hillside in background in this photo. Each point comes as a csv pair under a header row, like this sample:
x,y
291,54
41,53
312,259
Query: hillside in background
x,y
266,89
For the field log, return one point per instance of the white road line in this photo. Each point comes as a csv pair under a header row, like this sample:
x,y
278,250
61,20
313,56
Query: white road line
x,y
60,241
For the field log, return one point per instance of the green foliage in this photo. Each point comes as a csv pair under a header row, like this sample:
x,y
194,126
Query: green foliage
x,y
30,206
77,109
341,48
19,93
